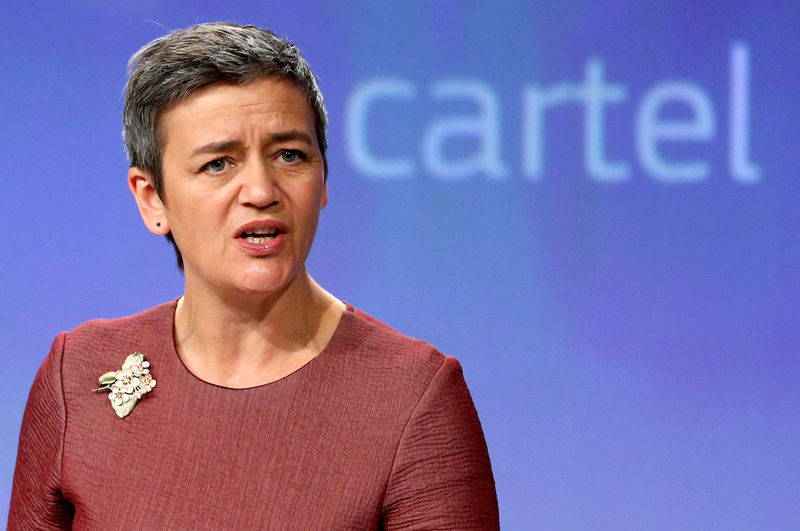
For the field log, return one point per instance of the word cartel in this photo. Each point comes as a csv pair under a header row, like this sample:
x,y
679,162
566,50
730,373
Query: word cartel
x,y
652,130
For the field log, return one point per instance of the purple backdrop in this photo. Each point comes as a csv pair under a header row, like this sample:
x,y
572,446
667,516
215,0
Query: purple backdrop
x,y
591,205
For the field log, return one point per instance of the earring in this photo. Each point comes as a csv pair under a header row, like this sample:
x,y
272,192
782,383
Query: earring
x,y
158,224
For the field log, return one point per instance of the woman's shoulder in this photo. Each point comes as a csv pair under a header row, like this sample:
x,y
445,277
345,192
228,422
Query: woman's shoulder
x,y
156,316
106,341
379,349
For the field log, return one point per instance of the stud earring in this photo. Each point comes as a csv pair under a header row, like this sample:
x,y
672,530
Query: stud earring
x,y
158,224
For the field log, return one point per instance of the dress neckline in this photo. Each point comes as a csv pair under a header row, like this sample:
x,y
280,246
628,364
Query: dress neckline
x,y
311,364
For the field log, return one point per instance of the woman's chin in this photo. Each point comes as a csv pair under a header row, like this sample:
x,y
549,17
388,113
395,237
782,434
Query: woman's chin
x,y
261,280
265,283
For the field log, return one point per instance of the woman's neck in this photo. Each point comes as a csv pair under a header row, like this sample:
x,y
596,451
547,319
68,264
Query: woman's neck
x,y
239,341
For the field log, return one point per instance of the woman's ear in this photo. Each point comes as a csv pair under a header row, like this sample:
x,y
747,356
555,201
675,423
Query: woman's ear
x,y
151,207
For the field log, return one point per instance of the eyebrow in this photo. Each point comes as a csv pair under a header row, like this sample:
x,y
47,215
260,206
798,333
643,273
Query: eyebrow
x,y
291,135
215,147
225,145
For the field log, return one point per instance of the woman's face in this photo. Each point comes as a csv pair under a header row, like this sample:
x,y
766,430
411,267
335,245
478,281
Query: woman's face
x,y
243,185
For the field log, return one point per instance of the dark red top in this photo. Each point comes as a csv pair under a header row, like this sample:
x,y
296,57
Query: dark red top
x,y
377,432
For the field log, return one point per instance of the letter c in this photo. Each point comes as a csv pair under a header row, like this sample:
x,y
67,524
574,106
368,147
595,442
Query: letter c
x,y
356,131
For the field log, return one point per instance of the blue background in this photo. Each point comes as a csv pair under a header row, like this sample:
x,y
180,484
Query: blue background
x,y
631,346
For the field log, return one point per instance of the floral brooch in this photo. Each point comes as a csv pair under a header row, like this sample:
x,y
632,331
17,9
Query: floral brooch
x,y
128,384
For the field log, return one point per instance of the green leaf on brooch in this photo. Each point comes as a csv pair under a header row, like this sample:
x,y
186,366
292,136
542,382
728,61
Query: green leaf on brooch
x,y
131,360
107,378
123,409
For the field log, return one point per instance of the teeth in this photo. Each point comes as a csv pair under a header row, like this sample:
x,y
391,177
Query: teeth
x,y
253,239
260,235
265,230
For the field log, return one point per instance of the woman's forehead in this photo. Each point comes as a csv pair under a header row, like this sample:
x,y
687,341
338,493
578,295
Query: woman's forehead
x,y
269,104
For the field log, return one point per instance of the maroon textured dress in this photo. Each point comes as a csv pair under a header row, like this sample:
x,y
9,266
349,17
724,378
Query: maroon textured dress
x,y
377,432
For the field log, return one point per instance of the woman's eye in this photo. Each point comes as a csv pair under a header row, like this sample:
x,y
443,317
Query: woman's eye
x,y
291,155
218,165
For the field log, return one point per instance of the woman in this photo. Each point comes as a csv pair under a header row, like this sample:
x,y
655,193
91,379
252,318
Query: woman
x,y
257,399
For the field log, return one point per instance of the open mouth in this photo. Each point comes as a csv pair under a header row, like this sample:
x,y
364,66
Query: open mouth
x,y
260,235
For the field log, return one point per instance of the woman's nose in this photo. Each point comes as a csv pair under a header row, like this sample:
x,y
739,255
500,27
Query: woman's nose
x,y
257,187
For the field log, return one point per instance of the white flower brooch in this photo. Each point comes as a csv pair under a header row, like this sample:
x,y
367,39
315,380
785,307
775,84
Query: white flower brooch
x,y
128,384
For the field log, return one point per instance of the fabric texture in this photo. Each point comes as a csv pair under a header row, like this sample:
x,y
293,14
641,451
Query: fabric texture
x,y
377,432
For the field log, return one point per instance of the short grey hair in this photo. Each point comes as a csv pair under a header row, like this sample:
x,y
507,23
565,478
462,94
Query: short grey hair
x,y
170,68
